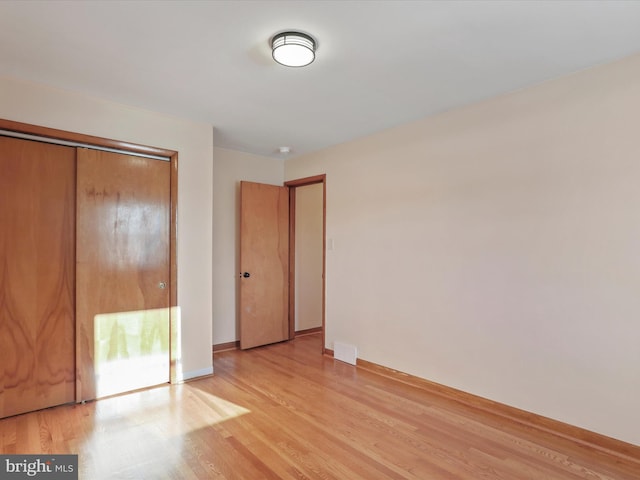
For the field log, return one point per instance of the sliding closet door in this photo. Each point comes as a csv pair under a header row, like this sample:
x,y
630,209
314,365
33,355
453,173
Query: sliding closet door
x,y
37,247
123,221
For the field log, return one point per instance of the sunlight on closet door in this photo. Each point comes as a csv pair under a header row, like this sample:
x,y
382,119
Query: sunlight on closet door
x,y
131,350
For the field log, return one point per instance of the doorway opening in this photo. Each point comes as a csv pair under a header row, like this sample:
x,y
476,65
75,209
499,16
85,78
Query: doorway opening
x,y
271,251
307,258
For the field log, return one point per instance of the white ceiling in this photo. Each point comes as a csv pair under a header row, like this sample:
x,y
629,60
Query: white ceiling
x,y
379,63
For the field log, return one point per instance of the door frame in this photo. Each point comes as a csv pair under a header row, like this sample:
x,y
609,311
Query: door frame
x,y
292,185
126,147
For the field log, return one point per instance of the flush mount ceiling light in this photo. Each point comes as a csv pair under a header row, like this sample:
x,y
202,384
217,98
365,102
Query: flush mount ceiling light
x,y
293,49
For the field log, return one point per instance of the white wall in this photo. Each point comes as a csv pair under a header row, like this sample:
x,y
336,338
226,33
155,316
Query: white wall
x,y
494,248
41,105
229,168
308,262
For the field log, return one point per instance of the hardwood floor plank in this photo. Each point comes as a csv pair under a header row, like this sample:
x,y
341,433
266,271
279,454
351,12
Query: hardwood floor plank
x,y
286,412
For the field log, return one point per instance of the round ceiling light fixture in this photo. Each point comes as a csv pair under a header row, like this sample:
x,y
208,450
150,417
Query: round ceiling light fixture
x,y
293,49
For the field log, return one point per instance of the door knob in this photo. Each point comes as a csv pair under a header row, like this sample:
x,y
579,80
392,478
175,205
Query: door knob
x,y
162,285
246,274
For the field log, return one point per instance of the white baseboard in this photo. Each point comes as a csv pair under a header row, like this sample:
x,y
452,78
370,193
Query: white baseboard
x,y
203,372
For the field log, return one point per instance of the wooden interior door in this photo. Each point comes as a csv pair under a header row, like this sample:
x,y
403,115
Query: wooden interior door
x,y
37,275
264,264
122,255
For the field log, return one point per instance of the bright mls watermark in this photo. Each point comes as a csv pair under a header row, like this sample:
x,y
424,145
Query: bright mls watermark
x,y
51,467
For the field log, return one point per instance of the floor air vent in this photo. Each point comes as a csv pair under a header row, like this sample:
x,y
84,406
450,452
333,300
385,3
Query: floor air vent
x,y
345,352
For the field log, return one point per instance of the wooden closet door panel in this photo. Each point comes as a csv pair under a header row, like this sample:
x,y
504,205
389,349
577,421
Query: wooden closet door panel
x,y
37,275
123,221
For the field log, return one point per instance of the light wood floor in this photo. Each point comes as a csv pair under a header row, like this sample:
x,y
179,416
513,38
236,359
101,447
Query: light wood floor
x,y
285,411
